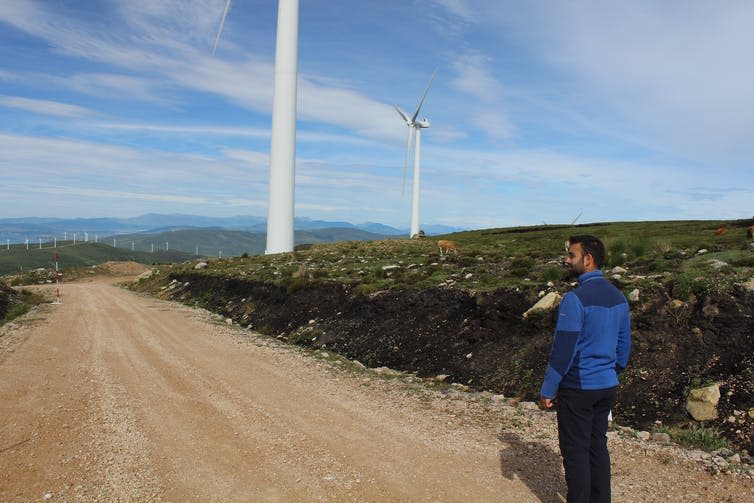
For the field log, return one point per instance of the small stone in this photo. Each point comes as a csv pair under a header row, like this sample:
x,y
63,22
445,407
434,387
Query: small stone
x,y
229,321
734,459
633,296
643,435
469,356
662,438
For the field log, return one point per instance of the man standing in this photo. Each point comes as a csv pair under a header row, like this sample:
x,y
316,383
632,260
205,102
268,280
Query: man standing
x,y
590,348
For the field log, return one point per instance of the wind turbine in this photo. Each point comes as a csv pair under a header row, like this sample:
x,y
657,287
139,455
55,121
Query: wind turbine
x,y
281,208
414,129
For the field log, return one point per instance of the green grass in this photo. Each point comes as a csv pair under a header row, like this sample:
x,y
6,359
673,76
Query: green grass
x,y
24,301
697,437
512,257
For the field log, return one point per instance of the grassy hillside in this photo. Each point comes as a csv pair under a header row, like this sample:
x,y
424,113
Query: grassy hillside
x,y
19,259
212,242
493,258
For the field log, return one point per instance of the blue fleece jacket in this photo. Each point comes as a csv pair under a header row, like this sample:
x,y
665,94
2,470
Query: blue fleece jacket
x,y
592,337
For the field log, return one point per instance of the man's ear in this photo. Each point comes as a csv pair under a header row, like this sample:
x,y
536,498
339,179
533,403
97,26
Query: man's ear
x,y
589,260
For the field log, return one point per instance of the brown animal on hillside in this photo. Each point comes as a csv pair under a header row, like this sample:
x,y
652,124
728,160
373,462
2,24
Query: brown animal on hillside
x,y
720,231
750,232
447,246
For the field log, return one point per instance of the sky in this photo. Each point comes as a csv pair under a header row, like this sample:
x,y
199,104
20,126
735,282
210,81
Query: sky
x,y
540,111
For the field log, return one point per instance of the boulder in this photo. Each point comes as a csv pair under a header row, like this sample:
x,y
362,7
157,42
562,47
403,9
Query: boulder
x,y
702,403
546,303
145,275
749,285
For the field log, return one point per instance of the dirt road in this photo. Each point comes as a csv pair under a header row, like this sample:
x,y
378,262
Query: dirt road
x,y
111,396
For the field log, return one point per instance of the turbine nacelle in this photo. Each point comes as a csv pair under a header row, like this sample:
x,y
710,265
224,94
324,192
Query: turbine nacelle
x,y
422,123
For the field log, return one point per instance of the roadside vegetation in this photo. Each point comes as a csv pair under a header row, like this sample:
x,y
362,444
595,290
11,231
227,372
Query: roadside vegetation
x,y
15,303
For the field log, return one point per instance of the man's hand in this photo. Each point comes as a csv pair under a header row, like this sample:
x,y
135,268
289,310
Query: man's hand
x,y
545,403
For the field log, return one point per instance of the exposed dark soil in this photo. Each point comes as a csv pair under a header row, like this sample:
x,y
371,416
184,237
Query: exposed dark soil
x,y
481,340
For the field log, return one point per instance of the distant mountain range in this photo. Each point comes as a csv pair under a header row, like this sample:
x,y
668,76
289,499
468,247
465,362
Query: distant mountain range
x,y
33,229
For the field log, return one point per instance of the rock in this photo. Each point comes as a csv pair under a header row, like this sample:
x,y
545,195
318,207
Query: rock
x,y
662,438
468,276
148,274
677,304
390,267
201,265
717,264
734,459
618,270
229,321
549,301
441,377
710,310
702,251
633,295
751,413
702,403
749,285
643,435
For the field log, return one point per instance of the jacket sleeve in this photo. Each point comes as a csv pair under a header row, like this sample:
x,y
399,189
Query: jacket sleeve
x,y
624,341
567,330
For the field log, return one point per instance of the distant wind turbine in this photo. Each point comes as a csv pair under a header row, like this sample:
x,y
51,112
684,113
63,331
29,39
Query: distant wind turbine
x,y
281,207
414,129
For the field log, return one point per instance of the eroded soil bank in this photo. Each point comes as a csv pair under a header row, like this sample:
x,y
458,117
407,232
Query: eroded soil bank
x,y
481,340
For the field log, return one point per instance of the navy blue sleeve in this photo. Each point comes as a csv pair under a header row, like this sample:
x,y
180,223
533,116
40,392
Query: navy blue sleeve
x,y
567,330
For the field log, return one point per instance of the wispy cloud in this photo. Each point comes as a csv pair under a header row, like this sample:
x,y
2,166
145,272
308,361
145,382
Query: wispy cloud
x,y
44,107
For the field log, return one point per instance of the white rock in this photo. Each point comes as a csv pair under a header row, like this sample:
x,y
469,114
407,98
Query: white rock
x,y
390,267
702,403
229,321
549,301
702,251
717,264
633,295
468,276
643,435
469,356
201,265
618,270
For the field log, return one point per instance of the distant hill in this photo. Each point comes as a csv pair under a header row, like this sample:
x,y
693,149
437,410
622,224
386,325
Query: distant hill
x,y
19,230
19,259
211,242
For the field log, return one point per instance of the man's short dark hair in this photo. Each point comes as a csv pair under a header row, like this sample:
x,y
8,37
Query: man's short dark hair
x,y
592,246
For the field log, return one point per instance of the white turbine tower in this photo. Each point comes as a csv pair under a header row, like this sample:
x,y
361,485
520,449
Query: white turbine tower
x,y
414,129
281,206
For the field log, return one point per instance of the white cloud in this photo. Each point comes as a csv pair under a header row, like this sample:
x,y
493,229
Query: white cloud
x,y
44,107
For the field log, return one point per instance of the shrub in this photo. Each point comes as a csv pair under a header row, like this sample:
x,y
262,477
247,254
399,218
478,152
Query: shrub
x,y
554,274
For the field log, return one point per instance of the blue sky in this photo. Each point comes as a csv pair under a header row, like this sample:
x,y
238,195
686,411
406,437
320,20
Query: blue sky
x,y
540,110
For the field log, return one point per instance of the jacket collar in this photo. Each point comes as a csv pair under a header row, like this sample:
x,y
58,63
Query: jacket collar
x,y
587,276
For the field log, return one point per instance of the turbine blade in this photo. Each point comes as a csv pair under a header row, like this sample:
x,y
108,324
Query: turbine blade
x,y
421,102
402,114
222,24
409,142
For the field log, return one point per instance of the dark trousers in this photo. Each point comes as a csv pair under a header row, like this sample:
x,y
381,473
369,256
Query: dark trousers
x,y
582,429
